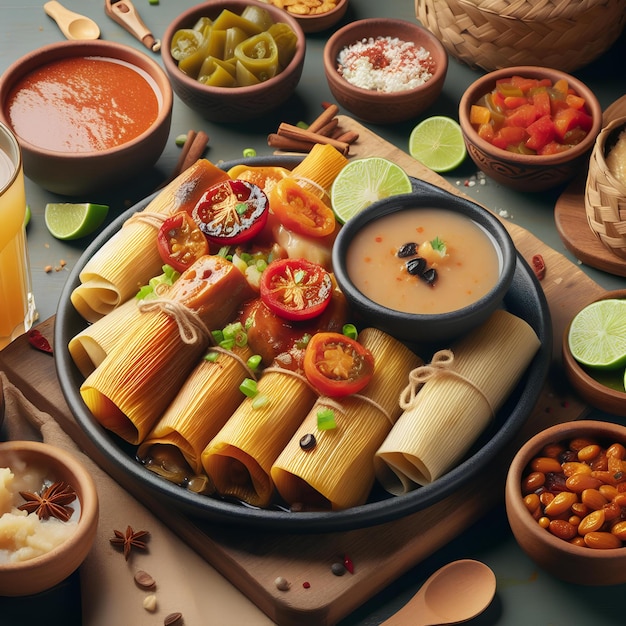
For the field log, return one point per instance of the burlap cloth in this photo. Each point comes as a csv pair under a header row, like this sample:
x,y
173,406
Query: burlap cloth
x,y
185,582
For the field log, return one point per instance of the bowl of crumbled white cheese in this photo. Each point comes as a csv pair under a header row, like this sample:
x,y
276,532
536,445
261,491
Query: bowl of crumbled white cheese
x,y
385,70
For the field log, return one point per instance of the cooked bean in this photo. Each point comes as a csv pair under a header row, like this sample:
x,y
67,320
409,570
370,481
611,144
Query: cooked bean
x,y
562,529
592,522
602,540
593,499
545,464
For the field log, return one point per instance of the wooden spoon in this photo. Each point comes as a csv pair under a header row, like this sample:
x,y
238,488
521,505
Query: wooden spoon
x,y
73,25
455,593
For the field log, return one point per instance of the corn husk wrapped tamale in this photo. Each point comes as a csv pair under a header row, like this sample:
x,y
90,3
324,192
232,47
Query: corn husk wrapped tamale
x,y
450,402
142,373
206,400
131,258
239,458
338,472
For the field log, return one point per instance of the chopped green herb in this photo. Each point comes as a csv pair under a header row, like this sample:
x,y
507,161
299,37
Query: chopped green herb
x,y
241,208
249,387
168,277
211,356
439,245
254,361
249,152
302,125
326,419
299,276
350,331
180,140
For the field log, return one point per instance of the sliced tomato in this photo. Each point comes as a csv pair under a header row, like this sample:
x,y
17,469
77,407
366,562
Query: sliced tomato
x,y
337,365
231,212
296,289
301,210
180,241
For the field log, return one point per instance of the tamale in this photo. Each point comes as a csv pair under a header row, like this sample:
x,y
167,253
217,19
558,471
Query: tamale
x,y
130,258
450,402
338,472
239,458
142,373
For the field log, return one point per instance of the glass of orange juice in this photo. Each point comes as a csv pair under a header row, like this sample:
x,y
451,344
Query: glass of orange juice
x,y
17,304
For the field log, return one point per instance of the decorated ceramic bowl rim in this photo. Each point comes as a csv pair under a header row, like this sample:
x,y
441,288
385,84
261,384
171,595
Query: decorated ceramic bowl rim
x,y
472,93
105,49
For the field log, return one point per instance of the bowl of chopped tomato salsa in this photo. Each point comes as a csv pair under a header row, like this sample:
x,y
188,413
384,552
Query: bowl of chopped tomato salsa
x,y
530,128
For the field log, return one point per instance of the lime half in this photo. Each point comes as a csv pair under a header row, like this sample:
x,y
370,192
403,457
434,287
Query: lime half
x,y
437,142
66,220
597,334
364,181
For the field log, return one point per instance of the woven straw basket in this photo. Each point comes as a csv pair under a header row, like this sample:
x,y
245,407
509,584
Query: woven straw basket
x,y
605,195
491,34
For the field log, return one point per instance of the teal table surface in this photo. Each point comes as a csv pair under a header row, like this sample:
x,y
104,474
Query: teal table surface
x,y
525,594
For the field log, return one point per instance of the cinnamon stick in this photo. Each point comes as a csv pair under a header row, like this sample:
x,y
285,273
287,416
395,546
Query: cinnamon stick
x,y
294,132
321,120
274,140
349,136
196,149
178,168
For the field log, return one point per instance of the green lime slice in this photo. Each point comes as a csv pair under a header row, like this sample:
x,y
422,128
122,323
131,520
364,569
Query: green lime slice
x,y
66,220
437,142
597,334
364,181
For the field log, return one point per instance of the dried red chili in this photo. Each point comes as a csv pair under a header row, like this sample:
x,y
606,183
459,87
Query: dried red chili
x,y
38,341
539,266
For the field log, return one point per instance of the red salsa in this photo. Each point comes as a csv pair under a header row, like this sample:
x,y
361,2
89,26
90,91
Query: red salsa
x,y
83,104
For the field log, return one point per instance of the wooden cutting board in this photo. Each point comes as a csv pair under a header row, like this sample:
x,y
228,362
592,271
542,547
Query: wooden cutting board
x,y
570,217
252,561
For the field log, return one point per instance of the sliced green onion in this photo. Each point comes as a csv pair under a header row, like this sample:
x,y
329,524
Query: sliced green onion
x,y
211,356
227,344
260,401
249,387
180,140
350,331
326,419
218,336
302,125
249,152
254,361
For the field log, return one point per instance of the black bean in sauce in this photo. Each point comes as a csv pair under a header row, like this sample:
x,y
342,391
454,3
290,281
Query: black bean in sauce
x,y
407,249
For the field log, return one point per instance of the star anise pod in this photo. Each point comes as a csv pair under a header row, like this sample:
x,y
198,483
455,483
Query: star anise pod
x,y
130,540
51,502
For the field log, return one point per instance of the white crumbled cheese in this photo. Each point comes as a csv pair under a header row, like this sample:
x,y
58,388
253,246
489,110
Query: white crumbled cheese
x,y
385,64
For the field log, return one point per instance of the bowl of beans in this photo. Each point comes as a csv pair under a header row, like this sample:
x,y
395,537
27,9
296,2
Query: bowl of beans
x,y
88,115
48,515
566,501
234,60
530,128
385,70
425,267
315,15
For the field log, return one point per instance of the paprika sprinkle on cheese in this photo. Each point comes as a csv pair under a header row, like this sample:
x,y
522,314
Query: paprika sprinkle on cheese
x,y
385,64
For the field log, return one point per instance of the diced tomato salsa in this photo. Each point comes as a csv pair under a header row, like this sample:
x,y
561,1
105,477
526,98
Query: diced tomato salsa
x,y
531,116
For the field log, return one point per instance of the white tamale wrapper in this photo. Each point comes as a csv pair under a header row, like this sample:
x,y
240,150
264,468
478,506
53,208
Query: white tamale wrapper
x,y
451,410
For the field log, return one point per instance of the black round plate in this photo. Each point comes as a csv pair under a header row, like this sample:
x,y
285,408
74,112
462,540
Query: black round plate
x,y
524,299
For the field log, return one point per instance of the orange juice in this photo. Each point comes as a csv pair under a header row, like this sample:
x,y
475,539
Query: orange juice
x,y
17,308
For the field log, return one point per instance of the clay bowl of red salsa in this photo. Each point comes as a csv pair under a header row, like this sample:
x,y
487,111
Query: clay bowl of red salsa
x,y
530,128
88,115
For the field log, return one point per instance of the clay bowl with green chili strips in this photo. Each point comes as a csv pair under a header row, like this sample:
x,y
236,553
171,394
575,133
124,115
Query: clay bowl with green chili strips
x,y
569,518
219,90
380,95
524,298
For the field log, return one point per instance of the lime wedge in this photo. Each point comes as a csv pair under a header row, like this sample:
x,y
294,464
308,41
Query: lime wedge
x,y
364,181
66,220
437,142
597,334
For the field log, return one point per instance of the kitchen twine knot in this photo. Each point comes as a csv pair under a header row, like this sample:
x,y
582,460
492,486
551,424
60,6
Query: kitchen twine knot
x,y
190,327
440,366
